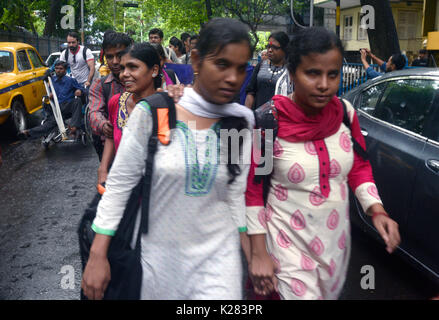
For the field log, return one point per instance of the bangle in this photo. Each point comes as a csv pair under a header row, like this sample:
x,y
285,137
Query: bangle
x,y
375,214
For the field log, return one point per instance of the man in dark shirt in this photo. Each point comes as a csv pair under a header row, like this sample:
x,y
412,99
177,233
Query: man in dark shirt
x,y
67,89
422,60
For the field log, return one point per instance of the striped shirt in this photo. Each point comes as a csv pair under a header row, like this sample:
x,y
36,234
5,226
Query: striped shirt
x,y
98,104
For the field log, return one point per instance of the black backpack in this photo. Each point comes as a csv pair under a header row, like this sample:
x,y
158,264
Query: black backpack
x,y
266,118
126,269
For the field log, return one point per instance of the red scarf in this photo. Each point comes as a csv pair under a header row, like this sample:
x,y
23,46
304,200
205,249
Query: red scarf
x,y
296,126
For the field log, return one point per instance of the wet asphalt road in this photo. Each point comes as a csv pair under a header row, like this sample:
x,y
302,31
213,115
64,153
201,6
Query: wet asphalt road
x,y
44,193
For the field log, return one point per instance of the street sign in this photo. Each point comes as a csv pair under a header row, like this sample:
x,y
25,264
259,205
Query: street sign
x,y
132,5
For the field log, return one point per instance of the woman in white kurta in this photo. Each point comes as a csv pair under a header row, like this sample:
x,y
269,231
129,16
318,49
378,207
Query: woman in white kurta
x,y
306,216
192,249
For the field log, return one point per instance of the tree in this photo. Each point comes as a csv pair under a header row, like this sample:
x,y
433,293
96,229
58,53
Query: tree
x,y
383,40
18,14
252,12
52,17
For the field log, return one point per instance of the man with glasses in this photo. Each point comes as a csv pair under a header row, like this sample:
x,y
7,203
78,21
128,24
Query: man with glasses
x,y
156,36
103,89
80,60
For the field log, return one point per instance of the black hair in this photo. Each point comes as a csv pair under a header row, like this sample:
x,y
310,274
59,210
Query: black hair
x,y
115,40
146,53
398,60
73,34
282,38
308,41
64,64
423,51
195,37
229,123
160,51
184,36
177,43
156,31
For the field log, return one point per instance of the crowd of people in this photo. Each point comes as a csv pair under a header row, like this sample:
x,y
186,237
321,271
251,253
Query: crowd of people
x,y
205,213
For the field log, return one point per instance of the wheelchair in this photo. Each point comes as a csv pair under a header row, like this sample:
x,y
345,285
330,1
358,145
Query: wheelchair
x,y
61,132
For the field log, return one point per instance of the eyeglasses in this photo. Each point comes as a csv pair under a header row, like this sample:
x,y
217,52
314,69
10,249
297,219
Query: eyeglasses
x,y
272,46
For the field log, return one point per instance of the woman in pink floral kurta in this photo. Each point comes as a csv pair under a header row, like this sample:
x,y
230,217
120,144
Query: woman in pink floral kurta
x,y
305,221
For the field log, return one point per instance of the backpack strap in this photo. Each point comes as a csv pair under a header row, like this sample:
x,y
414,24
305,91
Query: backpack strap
x,y
357,147
266,118
163,119
84,53
106,90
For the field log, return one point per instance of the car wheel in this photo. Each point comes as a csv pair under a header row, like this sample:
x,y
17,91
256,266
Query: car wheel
x,y
19,116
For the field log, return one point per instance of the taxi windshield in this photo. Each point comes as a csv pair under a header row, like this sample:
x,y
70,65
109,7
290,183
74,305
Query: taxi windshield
x,y
6,61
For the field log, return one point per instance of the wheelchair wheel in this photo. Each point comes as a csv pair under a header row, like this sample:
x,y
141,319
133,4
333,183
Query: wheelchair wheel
x,y
87,126
84,138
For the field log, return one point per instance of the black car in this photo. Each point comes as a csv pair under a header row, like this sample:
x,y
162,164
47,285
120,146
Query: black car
x,y
399,118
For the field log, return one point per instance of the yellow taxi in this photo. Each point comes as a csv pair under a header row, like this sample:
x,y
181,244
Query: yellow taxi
x,y
21,82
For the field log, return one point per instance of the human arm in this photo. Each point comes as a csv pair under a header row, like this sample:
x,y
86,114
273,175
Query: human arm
x,y
97,273
249,100
91,66
252,87
98,110
386,227
361,181
107,159
261,266
109,146
363,52
126,171
374,57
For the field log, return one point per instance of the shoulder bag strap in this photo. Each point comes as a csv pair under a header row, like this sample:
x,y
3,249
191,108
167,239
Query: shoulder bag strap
x,y
357,147
156,101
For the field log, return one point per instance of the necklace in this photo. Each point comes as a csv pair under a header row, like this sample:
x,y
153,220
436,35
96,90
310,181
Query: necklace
x,y
275,70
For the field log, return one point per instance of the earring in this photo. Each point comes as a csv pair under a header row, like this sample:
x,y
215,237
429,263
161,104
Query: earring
x,y
154,75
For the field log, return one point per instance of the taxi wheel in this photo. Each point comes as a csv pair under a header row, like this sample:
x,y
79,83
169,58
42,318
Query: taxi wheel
x,y
19,116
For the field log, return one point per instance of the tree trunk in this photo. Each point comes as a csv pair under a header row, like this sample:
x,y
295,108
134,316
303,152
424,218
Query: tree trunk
x,y
209,9
383,40
52,18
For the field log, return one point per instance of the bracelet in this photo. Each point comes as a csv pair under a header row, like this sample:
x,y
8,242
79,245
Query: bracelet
x,y
375,214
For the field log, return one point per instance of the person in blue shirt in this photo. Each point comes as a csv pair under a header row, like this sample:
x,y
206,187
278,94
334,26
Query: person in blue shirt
x,y
396,61
68,91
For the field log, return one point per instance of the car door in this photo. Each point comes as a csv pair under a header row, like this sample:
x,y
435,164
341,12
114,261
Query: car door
x,y
423,220
38,73
24,76
393,147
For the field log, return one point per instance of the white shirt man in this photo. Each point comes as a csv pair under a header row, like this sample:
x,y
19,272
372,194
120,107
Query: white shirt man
x,y
82,69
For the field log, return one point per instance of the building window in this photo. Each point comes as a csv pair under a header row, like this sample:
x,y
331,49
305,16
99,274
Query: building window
x,y
347,27
362,33
407,24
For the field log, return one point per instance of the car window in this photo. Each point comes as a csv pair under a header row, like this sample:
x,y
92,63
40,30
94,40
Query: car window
x,y
6,61
370,97
22,61
52,59
407,103
36,60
